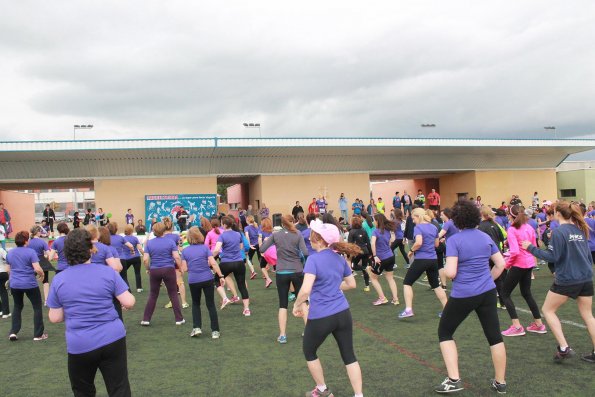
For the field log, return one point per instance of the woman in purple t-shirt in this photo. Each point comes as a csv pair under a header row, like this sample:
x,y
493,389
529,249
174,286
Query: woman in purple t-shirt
x,y
169,233
383,260
326,275
41,248
82,296
198,260
468,254
424,257
160,258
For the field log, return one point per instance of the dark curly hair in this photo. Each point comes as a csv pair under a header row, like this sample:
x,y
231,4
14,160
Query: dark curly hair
x,y
465,215
78,246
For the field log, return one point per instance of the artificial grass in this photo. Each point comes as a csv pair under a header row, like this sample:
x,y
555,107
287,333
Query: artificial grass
x,y
398,357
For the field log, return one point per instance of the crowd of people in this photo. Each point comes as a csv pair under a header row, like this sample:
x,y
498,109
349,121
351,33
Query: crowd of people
x,y
483,252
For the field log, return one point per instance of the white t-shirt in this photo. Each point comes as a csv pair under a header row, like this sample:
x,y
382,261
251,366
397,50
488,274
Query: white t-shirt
x,y
3,266
2,233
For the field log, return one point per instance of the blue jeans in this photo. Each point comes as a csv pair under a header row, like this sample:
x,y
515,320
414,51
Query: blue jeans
x,y
406,208
344,215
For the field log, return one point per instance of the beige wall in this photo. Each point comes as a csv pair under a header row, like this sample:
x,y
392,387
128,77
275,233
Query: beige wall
x,y
581,180
452,184
497,186
281,192
115,196
21,208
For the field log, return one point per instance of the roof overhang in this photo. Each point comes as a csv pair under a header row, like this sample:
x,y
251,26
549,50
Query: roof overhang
x,y
55,161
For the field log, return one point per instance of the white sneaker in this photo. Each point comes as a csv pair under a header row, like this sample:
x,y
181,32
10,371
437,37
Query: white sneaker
x,y
181,322
215,334
145,323
246,312
6,315
185,305
139,290
195,332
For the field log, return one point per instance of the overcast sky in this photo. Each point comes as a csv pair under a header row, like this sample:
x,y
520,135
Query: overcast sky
x,y
311,68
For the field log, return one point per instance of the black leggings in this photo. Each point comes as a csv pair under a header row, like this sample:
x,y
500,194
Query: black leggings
x,y
499,283
457,310
284,281
239,273
111,361
515,276
132,262
418,267
196,290
254,250
364,259
4,306
399,243
340,325
34,296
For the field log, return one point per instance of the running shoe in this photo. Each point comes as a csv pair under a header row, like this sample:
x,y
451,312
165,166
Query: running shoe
x,y
168,306
225,303
235,299
139,290
514,331
395,302
6,315
561,355
282,339
268,283
195,332
291,297
380,301
145,323
590,358
367,288
181,322
253,275
215,334
425,278
246,312
42,337
13,337
406,313
318,393
185,305
499,387
449,386
538,329
440,315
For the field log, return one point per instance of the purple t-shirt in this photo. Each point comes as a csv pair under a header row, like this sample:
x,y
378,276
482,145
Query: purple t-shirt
x,y
533,223
450,229
129,219
160,250
134,241
554,225
591,224
399,234
429,233
542,217
306,236
383,250
197,258
114,251
58,246
252,234
103,253
473,249
321,206
230,250
39,246
118,243
86,293
326,297
173,237
21,260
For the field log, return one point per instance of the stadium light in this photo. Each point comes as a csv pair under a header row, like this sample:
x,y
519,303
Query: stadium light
x,y
80,127
551,128
253,125
428,125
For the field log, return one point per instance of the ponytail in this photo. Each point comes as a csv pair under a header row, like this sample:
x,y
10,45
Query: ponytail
x,y
573,212
348,249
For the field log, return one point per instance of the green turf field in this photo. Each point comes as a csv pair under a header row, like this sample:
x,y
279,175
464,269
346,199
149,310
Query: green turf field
x,y
398,357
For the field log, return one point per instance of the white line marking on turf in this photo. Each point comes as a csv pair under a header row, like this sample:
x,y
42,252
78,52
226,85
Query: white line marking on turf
x,y
567,322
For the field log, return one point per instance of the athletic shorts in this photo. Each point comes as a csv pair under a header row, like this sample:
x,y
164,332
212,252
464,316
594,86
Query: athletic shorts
x,y
418,267
573,291
387,265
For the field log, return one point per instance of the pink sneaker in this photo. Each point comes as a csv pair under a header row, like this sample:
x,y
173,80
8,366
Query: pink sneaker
x,y
268,283
253,276
246,312
235,299
225,303
380,301
514,331
538,329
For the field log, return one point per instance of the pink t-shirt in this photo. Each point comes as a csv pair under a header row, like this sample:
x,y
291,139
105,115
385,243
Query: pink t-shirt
x,y
518,256
211,239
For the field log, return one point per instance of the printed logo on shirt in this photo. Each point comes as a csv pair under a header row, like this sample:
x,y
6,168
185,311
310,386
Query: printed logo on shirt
x,y
576,237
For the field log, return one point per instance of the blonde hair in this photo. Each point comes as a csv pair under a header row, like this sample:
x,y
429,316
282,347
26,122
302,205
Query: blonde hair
x,y
250,219
487,213
421,214
92,229
194,236
128,229
430,214
159,229
168,224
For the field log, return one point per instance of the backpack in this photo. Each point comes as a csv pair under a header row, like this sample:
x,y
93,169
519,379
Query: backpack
x,y
360,238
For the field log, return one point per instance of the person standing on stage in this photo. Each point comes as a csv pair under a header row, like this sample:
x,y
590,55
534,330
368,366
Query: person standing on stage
x,y
182,218
129,217
49,216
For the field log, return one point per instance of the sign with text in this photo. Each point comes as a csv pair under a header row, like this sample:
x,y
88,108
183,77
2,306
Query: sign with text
x,y
158,206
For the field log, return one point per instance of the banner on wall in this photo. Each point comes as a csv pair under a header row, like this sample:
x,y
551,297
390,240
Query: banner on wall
x,y
159,206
